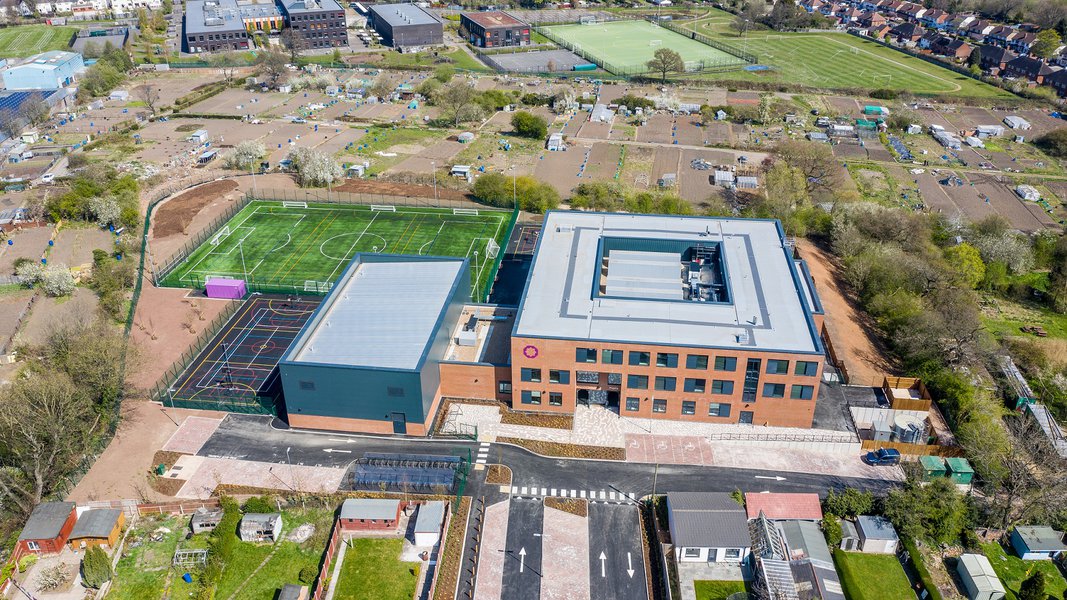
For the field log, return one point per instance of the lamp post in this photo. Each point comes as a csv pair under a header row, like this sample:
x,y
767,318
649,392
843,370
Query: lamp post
x,y
433,167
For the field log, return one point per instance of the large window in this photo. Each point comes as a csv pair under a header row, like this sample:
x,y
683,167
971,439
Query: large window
x,y
733,553
557,376
531,397
504,387
777,367
807,368
585,355
530,374
639,359
695,385
611,357
689,407
774,390
555,399
691,552
802,392
748,392
633,404
696,361
721,386
718,409
666,384
659,405
637,382
666,359
725,363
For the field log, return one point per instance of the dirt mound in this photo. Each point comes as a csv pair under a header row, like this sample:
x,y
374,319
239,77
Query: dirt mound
x,y
174,215
389,188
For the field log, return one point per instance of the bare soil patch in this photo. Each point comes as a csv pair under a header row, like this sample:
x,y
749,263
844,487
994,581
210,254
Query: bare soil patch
x,y
574,506
448,565
566,450
174,216
498,475
510,417
49,314
165,458
390,188
164,485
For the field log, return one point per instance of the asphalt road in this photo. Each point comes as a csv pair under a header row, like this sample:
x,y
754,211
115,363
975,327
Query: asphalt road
x,y
615,534
252,438
522,566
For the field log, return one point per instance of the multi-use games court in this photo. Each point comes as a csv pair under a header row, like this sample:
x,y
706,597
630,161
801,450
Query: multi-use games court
x,y
302,247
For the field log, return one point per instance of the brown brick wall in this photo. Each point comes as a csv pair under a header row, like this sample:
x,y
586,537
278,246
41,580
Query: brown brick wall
x,y
466,380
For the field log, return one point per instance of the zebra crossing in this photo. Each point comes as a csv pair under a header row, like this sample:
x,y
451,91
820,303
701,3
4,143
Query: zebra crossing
x,y
483,454
609,496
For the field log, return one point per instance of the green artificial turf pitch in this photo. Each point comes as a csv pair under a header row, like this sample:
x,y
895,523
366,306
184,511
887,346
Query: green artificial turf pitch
x,y
628,45
306,249
26,40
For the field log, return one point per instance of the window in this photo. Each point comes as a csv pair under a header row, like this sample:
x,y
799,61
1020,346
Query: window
x,y
689,407
665,384
659,405
695,385
718,409
637,382
586,355
802,392
611,357
32,545
633,404
530,374
725,363
696,361
639,359
748,393
664,359
720,386
394,391
692,552
504,387
774,390
733,553
555,399
531,397
777,367
806,368
557,376
307,385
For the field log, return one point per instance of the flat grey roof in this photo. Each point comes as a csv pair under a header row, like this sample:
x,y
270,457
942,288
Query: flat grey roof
x,y
370,508
876,528
768,310
95,523
212,16
306,6
380,313
430,516
707,520
1041,538
46,520
399,15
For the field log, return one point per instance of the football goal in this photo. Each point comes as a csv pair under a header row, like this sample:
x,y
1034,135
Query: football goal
x,y
311,285
465,211
587,19
224,232
492,249
289,204
655,43
382,208
855,50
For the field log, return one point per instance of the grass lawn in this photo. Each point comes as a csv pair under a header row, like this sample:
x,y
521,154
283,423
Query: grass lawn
x,y
25,40
372,571
718,590
460,60
1013,570
872,576
380,139
269,244
142,573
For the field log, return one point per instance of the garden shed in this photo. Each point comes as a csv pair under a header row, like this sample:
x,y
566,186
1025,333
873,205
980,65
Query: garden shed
x,y
261,527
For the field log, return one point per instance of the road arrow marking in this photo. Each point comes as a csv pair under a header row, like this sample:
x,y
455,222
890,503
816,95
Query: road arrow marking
x,y
776,477
341,451
522,559
345,441
630,565
603,562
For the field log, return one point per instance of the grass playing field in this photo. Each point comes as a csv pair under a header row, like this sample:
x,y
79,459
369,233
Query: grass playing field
x,y
26,40
837,61
628,45
305,249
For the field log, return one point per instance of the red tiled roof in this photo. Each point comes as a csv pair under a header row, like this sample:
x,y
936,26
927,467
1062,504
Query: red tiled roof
x,y
492,19
784,506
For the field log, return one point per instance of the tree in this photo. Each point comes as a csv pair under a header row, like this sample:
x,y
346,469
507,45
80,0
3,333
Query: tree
x,y
747,18
96,568
314,168
227,63
975,58
105,210
935,512
10,124
532,195
831,527
664,61
294,42
966,261
336,57
1057,287
246,155
35,110
147,94
459,103
815,161
444,73
1033,587
849,503
273,66
1048,40
529,125
1053,142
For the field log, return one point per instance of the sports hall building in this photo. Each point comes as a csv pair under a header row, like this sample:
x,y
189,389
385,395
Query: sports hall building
x,y
681,318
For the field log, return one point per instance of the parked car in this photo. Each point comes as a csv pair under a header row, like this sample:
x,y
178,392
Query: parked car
x,y
882,457
48,178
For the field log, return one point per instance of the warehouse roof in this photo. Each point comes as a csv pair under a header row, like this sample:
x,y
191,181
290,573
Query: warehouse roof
x,y
382,312
758,300
494,18
204,16
403,14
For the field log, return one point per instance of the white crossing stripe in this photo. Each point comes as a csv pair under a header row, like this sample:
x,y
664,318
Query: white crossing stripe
x,y
484,444
523,490
544,492
611,495
480,461
583,493
553,491
574,494
514,490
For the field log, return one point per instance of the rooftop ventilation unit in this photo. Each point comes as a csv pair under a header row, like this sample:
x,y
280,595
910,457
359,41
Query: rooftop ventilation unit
x,y
742,337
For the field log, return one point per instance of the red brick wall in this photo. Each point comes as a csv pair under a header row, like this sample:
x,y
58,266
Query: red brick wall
x,y
465,380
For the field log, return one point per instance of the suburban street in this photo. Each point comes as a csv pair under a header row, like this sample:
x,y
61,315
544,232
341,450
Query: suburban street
x,y
615,534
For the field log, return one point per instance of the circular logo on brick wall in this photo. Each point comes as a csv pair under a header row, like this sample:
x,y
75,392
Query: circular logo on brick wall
x,y
530,351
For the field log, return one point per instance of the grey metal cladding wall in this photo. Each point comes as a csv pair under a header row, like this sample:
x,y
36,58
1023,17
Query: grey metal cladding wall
x,y
423,34
352,392
431,366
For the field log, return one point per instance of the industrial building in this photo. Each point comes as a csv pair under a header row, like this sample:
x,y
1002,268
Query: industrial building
x,y
213,26
320,23
494,29
690,318
46,71
221,25
406,26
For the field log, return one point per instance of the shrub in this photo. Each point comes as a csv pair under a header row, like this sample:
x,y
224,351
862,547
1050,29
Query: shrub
x,y
1053,142
634,102
259,504
96,568
314,168
245,156
884,94
308,574
831,528
56,281
529,125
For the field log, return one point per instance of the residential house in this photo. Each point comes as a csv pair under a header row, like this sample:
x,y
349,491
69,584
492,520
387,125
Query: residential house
x,y
204,520
1037,542
361,514
1000,35
260,527
877,535
48,528
871,19
879,32
995,59
1058,81
906,33
1022,42
912,12
935,18
929,39
979,29
779,506
1033,69
97,527
428,523
959,24
708,527
979,579
954,48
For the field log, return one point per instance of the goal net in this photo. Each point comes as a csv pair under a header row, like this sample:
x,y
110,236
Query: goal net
x,y
855,50
287,204
382,208
465,211
587,19
655,43
311,285
224,232
492,249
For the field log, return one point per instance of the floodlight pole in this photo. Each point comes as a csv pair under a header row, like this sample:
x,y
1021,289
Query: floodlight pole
x,y
433,167
241,247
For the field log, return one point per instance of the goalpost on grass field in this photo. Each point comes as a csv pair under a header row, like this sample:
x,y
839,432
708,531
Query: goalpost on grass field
x,y
382,208
217,238
655,43
465,211
290,204
492,249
